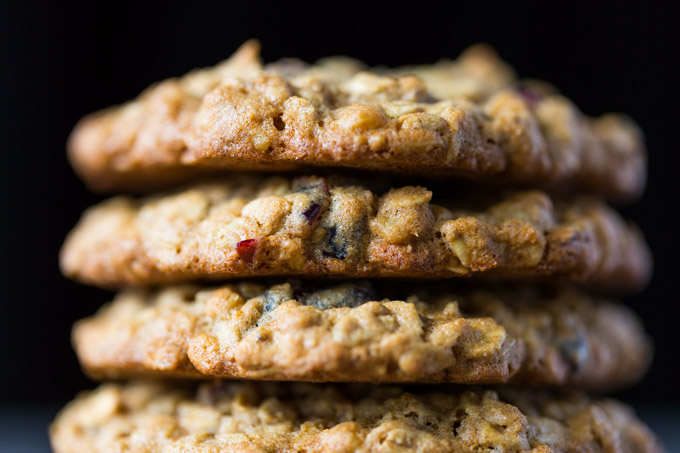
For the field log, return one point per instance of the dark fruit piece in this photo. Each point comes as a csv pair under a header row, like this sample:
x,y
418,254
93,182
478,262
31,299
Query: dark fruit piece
x,y
318,191
349,296
336,246
312,212
574,351
276,296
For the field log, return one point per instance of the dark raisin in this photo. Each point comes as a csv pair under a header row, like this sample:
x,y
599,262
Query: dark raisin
x,y
574,351
334,245
246,250
318,191
312,212
276,296
349,296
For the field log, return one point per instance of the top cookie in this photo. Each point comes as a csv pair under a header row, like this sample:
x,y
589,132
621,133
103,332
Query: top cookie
x,y
465,118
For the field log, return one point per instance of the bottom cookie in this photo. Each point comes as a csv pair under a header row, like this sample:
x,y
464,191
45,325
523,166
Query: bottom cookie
x,y
273,417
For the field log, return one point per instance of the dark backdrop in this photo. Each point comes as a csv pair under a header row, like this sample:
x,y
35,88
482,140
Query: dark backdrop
x,y
62,60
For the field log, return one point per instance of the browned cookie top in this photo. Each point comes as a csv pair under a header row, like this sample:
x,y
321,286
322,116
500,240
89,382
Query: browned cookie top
x,y
366,332
312,226
469,117
249,417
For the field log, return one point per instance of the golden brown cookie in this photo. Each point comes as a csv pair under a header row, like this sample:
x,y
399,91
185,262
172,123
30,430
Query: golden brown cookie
x,y
366,332
248,417
311,226
465,118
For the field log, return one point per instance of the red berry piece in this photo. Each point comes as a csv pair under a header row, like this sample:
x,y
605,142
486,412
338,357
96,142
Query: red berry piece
x,y
530,96
246,250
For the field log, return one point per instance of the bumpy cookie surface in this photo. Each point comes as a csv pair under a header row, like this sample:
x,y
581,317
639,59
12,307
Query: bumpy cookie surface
x,y
311,226
354,332
246,417
469,118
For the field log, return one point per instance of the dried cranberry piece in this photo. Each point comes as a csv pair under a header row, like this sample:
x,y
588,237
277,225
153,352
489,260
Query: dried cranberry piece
x,y
246,250
530,96
312,212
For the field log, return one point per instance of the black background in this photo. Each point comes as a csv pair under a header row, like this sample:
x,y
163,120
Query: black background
x,y
62,60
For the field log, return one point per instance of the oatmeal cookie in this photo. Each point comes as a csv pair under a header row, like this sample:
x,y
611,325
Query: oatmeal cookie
x,y
355,332
249,417
466,118
312,226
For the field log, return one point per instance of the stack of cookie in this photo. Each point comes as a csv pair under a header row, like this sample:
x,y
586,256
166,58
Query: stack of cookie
x,y
427,225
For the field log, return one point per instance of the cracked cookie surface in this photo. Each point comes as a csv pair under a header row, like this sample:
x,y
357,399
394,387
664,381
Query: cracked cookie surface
x,y
312,226
353,332
464,118
248,417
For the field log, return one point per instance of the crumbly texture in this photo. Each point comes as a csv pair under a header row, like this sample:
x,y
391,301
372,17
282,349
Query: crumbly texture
x,y
468,118
312,226
353,332
247,417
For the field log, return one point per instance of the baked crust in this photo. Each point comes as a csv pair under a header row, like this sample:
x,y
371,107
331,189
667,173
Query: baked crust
x,y
465,118
355,332
312,226
249,417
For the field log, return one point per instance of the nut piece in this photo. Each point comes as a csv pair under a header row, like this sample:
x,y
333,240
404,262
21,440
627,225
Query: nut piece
x,y
404,215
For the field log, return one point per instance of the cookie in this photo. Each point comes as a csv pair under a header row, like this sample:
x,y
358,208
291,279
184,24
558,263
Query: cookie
x,y
248,417
357,332
468,118
312,226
